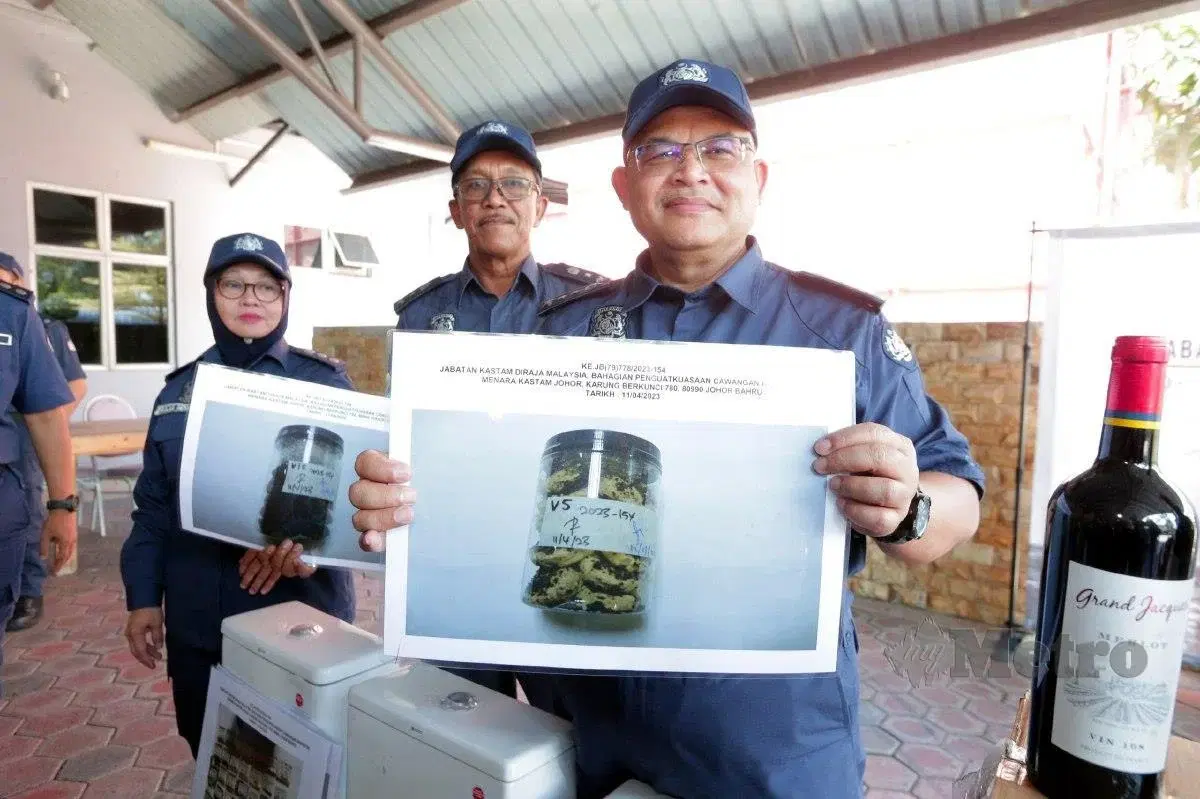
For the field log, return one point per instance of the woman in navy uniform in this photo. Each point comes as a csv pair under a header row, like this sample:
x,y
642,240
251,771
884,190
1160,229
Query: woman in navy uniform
x,y
248,292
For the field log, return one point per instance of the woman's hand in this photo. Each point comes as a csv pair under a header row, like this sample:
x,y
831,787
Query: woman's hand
x,y
145,623
260,569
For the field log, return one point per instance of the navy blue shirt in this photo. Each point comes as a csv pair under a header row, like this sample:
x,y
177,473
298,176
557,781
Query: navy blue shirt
x,y
30,379
64,349
198,576
458,302
792,736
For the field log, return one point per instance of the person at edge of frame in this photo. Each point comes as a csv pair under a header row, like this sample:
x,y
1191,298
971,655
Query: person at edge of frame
x,y
248,290
32,385
903,475
28,610
497,201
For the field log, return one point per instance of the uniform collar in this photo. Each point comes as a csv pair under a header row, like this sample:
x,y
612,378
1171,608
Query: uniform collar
x,y
743,281
529,270
279,351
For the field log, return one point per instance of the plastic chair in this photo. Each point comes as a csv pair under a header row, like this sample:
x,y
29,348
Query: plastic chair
x,y
108,467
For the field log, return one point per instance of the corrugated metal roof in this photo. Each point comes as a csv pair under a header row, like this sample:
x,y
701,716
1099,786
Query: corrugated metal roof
x,y
164,60
544,64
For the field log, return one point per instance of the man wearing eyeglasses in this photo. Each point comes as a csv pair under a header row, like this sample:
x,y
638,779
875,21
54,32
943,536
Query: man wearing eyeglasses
x,y
903,476
495,177
497,201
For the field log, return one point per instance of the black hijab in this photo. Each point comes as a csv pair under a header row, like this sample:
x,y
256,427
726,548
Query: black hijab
x,y
245,248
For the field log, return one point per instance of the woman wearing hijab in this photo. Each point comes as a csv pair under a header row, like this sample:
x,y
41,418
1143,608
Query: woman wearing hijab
x,y
248,288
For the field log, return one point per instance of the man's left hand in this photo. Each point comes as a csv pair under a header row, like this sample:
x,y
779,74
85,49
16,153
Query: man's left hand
x,y
874,474
60,530
260,569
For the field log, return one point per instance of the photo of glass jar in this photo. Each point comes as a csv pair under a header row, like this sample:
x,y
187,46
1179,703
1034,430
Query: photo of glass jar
x,y
594,534
303,487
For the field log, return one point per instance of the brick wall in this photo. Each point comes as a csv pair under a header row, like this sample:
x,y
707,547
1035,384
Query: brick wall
x,y
974,370
365,351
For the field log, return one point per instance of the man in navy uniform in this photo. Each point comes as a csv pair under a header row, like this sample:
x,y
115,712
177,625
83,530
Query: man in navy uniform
x,y
32,384
495,177
496,180
28,608
903,475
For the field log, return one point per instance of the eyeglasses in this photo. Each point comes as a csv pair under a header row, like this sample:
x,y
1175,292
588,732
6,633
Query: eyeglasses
x,y
718,154
232,289
477,189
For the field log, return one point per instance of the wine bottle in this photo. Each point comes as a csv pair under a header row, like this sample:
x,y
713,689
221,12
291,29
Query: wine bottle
x,y
1117,580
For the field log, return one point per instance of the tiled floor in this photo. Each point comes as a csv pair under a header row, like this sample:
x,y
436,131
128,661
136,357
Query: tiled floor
x,y
82,719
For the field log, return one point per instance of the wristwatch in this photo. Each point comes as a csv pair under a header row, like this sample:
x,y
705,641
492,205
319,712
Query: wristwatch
x,y
71,504
913,526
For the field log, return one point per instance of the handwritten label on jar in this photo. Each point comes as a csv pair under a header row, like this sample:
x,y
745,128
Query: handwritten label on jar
x,y
311,480
606,525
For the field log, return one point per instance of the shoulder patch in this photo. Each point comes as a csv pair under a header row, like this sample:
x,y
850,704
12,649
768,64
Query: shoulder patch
x,y
319,357
574,274
21,293
189,365
403,302
810,282
590,290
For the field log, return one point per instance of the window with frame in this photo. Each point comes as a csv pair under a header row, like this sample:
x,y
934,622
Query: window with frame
x,y
103,267
332,250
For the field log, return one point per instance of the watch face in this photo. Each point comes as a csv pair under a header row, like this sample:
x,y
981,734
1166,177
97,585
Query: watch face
x,y
922,516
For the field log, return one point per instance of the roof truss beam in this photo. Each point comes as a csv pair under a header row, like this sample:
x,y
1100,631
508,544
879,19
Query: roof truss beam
x,y
1074,19
289,61
383,26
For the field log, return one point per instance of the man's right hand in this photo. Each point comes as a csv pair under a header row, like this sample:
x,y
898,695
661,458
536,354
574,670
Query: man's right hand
x,y
143,624
382,496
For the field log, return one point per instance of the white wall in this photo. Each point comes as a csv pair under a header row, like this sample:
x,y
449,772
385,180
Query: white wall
x,y
94,141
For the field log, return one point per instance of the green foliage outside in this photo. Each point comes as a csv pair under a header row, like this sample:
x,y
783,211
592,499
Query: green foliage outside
x,y
1165,73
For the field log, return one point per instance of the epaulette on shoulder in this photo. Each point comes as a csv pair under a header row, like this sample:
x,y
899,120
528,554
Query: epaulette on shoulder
x,y
401,303
319,357
590,290
189,365
21,293
810,282
574,274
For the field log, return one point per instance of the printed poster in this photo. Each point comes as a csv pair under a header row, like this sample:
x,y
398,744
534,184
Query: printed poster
x,y
267,459
612,505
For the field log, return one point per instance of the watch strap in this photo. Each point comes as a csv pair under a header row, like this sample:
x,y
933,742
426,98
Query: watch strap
x,y
70,503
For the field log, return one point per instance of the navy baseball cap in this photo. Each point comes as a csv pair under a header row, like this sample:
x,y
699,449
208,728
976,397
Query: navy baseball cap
x,y
688,82
10,264
248,248
495,134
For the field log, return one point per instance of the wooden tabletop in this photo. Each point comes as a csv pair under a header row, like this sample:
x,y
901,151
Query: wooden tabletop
x,y
109,436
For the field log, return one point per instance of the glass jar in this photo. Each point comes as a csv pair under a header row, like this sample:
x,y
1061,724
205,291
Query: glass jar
x,y
594,535
303,486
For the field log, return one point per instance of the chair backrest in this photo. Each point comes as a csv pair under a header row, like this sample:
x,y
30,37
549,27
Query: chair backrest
x,y
103,407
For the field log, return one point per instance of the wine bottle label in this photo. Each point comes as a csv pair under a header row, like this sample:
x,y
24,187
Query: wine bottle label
x,y
1122,649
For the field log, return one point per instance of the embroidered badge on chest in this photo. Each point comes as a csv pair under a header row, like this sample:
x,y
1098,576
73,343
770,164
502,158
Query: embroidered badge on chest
x,y
608,322
442,321
895,347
